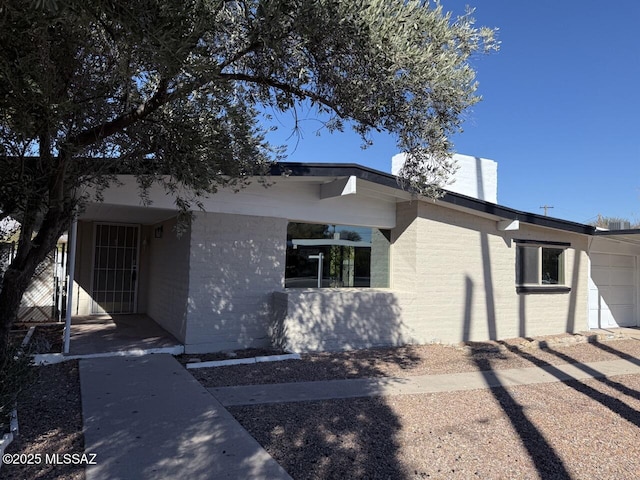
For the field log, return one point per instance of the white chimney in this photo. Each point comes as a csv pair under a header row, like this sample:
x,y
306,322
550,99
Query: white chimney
x,y
476,177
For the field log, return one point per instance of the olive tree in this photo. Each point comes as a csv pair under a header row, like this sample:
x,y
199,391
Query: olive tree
x,y
171,91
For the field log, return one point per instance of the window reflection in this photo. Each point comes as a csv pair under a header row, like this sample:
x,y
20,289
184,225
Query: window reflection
x,y
342,256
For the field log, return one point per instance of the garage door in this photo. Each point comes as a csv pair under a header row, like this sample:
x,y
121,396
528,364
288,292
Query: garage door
x,y
613,291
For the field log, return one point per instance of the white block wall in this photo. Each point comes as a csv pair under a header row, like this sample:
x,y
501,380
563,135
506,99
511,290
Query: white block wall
x,y
461,270
236,263
336,319
453,279
168,278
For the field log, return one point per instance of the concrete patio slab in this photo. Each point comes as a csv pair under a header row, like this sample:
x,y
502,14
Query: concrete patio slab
x,y
148,418
101,334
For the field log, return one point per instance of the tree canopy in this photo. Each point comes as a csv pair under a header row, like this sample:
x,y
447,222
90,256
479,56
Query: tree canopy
x,y
171,90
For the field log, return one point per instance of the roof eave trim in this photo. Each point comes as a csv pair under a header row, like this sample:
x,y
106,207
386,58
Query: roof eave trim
x,y
389,180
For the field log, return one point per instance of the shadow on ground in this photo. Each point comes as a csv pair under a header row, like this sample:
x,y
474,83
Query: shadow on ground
x,y
546,459
353,438
343,438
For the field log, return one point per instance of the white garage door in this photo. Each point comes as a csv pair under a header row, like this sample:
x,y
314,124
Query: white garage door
x,y
613,291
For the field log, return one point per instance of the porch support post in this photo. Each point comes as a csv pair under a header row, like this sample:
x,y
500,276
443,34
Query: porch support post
x,y
71,258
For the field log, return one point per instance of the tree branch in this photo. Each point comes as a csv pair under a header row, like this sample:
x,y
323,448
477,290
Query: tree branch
x,y
100,132
299,92
250,48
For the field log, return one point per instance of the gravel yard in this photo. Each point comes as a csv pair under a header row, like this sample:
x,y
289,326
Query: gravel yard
x,y
579,429
416,360
50,421
585,430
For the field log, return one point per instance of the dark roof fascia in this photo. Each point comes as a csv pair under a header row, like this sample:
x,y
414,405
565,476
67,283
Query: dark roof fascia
x,y
613,233
512,214
300,169
389,180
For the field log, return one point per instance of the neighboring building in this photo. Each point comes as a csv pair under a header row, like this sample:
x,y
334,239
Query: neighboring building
x,y
395,269
44,299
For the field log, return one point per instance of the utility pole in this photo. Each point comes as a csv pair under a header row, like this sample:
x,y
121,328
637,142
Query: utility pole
x,y
546,207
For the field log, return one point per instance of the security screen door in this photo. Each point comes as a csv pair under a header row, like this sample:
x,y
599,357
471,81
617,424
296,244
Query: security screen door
x,y
115,268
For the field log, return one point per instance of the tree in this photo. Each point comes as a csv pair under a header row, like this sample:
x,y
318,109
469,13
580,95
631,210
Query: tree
x,y
606,222
171,91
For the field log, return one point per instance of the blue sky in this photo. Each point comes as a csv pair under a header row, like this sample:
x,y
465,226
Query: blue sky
x,y
560,110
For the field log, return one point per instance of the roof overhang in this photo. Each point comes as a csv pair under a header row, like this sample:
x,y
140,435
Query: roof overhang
x,y
340,180
631,237
388,184
108,213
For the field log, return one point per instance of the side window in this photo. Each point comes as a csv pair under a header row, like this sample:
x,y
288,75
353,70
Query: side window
x,y
540,266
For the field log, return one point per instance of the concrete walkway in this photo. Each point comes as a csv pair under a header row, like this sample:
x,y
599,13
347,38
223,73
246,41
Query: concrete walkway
x,y
148,418
366,387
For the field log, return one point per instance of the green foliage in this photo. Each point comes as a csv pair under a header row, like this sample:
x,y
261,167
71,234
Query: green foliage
x,y
171,90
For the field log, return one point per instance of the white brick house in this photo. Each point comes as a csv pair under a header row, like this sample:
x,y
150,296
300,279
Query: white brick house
x,y
395,269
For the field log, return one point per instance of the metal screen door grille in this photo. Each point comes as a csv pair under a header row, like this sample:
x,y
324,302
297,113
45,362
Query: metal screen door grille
x,y
115,265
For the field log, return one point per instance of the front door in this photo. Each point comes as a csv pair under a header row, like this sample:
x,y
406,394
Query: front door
x,y
115,268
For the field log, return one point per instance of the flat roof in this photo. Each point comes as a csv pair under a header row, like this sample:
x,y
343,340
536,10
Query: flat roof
x,y
389,180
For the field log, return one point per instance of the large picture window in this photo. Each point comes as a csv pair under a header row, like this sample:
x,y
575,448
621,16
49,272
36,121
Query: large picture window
x,y
540,267
336,256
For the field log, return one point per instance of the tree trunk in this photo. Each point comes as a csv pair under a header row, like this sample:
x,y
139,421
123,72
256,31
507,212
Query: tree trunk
x,y
18,275
14,285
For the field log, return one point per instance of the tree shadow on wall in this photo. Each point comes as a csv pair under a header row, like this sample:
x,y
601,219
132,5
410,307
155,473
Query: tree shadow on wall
x,y
233,272
336,319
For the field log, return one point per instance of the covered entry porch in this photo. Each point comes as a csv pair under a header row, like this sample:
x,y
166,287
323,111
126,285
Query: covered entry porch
x,y
105,333
116,302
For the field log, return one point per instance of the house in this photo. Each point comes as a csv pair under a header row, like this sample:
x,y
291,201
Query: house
x,y
338,256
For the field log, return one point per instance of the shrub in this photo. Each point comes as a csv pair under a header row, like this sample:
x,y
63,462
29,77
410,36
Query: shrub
x,y
16,373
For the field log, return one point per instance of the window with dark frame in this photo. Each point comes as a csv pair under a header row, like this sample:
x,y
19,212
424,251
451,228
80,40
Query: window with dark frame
x,y
336,256
540,266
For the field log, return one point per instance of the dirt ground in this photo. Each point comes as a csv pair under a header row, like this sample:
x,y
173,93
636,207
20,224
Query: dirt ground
x,y
50,422
578,429
573,430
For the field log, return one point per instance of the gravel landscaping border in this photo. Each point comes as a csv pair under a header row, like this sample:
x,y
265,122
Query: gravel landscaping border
x,y
424,360
564,430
